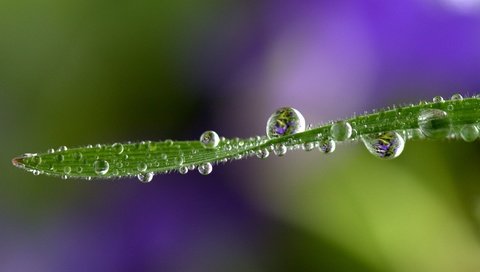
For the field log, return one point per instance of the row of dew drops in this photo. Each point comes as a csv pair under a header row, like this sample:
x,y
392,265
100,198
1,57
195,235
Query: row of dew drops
x,y
432,123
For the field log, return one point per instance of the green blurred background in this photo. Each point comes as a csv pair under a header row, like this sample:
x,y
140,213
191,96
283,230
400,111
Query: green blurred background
x,y
84,72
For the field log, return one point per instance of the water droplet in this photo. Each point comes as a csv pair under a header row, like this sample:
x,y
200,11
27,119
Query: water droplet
x,y
191,167
280,150
36,172
183,170
262,153
101,167
285,121
67,170
79,169
36,160
387,145
118,148
142,167
51,151
327,146
169,142
60,158
438,99
77,156
341,131
309,146
469,133
457,97
434,123
62,148
145,177
64,177
205,168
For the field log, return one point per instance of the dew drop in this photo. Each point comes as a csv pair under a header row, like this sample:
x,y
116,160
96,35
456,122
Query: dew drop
x,y
67,170
438,99
142,167
51,151
79,169
309,146
36,172
64,177
101,167
327,146
205,168
183,170
209,139
457,97
191,167
60,158
118,148
169,142
77,156
62,148
280,150
36,160
145,177
450,107
469,133
262,153
341,131
387,145
285,121
434,123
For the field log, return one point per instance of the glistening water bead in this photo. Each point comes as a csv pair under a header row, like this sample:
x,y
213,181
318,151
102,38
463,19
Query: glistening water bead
x,y
387,145
145,177
209,139
341,131
327,146
469,133
101,167
434,123
205,168
285,121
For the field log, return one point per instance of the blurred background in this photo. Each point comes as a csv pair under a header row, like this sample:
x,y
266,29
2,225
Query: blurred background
x,y
84,72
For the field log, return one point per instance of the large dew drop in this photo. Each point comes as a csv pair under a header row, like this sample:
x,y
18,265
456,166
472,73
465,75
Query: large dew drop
x,y
386,145
145,177
209,139
469,133
285,121
205,168
341,131
101,167
434,123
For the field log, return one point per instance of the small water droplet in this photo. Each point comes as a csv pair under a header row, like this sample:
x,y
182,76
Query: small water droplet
x,y
191,167
60,158
142,167
51,151
457,97
309,146
183,170
64,177
434,123
327,146
67,170
169,142
118,148
387,145
469,133
438,99
145,177
450,107
79,169
262,153
280,150
77,156
36,160
62,148
285,121
101,167
36,172
205,168
341,131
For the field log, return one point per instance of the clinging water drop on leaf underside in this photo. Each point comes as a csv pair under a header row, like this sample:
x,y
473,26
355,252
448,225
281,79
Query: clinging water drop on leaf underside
x,y
285,121
205,168
434,123
387,145
327,146
145,177
209,139
469,133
